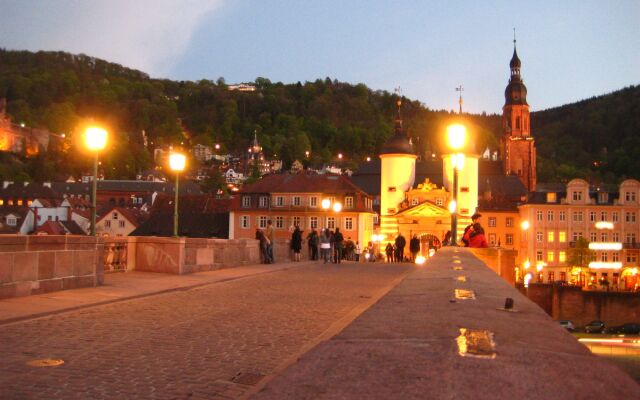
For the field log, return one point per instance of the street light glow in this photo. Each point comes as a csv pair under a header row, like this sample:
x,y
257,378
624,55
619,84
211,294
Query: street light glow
x,y
96,138
452,206
177,161
326,203
604,225
605,246
337,207
456,136
524,225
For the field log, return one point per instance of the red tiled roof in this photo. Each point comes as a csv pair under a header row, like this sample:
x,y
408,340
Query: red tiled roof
x,y
302,183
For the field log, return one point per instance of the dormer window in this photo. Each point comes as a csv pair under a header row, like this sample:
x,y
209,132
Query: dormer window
x,y
577,196
551,197
263,202
603,197
12,221
630,196
279,201
348,202
246,201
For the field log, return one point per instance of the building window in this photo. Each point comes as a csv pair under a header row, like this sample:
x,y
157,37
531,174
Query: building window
x,y
562,236
563,276
114,215
551,197
263,202
12,221
616,237
538,215
615,257
577,196
576,236
107,223
603,237
246,201
630,196
509,238
592,216
244,222
603,197
614,217
539,255
313,201
439,202
392,188
331,222
49,218
415,201
551,276
509,222
348,202
603,216
492,222
348,223
562,256
297,221
563,216
605,257
279,222
630,217
262,222
550,256
550,236
577,216
593,237
313,222
550,216
631,237
296,201
279,201
492,239
631,258
539,237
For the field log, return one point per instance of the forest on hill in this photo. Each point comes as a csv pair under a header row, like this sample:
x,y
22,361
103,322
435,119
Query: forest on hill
x,y
63,92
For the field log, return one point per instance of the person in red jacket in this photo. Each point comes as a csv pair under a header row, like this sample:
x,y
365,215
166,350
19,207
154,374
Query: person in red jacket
x,y
476,237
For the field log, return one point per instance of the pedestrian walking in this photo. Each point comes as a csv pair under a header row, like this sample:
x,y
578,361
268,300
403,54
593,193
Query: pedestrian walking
x,y
414,247
389,252
357,250
269,233
296,243
312,242
338,240
325,245
400,243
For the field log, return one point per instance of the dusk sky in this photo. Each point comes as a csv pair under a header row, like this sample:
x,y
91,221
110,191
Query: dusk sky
x,y
570,50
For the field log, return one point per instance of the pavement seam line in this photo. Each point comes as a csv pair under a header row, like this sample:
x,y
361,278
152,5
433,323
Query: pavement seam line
x,y
328,334
45,314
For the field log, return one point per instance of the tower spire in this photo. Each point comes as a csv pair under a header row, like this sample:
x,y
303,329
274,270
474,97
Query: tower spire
x,y
398,125
460,89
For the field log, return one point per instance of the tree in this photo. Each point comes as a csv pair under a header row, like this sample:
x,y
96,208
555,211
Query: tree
x,y
580,255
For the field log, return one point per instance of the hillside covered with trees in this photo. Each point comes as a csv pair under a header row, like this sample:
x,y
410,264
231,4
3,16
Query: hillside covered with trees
x,y
63,92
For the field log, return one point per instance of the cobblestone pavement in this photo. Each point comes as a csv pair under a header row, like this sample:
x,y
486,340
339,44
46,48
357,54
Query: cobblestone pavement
x,y
188,344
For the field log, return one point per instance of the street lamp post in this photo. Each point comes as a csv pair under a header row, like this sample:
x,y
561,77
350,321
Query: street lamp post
x,y
96,140
456,135
177,162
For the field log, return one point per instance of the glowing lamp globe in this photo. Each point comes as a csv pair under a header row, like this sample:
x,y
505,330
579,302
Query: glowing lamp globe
x,y
177,161
337,207
96,138
456,136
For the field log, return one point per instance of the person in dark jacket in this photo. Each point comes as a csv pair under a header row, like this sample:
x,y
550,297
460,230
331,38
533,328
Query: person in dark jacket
x,y
338,241
389,252
264,244
400,243
296,243
414,247
312,241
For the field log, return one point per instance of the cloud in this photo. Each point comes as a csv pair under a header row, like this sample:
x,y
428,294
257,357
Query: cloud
x,y
149,35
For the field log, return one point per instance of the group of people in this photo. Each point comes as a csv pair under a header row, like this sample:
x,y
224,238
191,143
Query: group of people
x,y
327,245
395,251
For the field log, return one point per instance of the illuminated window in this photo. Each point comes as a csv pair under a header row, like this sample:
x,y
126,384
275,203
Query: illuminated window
x,y
562,256
348,223
603,197
550,236
348,202
550,256
10,202
509,238
279,222
19,202
539,237
1,202
313,222
539,255
562,236
551,197
244,222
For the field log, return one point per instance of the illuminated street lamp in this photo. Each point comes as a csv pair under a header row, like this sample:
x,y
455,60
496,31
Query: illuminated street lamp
x,y
96,140
177,162
456,136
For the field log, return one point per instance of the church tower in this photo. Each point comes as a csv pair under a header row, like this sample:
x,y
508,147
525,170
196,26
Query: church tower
x,y
397,175
519,157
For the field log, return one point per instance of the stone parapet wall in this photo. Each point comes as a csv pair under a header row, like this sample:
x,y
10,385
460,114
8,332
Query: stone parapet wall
x,y
41,264
187,255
